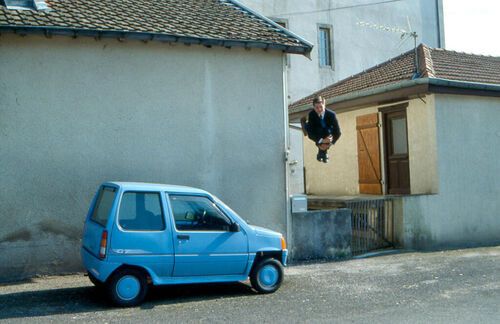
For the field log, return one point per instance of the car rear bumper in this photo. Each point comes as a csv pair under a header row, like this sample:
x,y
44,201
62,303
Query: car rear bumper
x,y
99,269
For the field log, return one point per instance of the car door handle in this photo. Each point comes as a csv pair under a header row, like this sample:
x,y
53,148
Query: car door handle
x,y
183,237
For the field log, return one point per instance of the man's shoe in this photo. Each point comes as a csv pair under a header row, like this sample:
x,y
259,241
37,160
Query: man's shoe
x,y
322,156
303,124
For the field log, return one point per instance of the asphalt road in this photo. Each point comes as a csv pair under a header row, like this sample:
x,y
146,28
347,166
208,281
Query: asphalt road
x,y
460,286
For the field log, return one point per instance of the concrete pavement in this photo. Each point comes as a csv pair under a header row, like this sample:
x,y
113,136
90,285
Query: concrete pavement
x,y
458,286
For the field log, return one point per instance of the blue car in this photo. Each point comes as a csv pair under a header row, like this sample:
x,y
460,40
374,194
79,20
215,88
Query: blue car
x,y
137,233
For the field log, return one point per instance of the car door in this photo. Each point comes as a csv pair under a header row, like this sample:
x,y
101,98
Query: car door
x,y
203,242
141,236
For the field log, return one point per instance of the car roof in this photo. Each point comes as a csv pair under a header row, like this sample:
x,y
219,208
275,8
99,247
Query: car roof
x,y
155,187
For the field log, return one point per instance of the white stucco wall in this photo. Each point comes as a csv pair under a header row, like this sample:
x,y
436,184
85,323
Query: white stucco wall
x,y
355,47
466,210
77,112
422,145
340,176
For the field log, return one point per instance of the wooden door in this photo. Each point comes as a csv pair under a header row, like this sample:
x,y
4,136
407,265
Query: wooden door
x,y
369,154
396,148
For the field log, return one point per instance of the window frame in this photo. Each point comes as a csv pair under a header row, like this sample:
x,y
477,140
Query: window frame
x,y
328,27
229,219
162,209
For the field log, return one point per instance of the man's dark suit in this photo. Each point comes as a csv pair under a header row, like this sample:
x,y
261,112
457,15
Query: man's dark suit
x,y
318,129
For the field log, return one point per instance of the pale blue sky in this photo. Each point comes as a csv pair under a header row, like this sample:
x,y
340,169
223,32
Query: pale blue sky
x,y
472,26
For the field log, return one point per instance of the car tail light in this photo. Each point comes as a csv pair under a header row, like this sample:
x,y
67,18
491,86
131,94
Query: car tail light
x,y
283,243
104,243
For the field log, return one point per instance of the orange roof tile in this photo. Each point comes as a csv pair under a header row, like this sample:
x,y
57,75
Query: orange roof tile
x,y
433,63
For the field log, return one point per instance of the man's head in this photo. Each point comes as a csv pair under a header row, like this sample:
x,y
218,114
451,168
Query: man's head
x,y
319,105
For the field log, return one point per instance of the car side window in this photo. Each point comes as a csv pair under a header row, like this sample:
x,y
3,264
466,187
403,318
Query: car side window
x,y
141,211
196,213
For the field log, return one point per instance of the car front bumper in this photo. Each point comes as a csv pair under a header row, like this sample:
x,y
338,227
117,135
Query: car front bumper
x,y
284,256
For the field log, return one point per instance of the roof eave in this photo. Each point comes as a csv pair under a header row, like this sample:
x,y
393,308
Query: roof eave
x,y
411,87
75,32
304,42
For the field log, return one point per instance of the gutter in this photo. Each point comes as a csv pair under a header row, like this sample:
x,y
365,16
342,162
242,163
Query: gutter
x,y
120,35
401,85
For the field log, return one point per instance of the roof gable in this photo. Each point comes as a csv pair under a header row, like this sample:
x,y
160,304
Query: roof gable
x,y
208,22
432,63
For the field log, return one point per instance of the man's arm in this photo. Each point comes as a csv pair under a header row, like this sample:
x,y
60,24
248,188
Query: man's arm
x,y
312,130
334,124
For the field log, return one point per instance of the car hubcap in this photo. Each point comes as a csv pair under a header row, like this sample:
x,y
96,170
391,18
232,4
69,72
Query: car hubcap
x,y
268,276
128,287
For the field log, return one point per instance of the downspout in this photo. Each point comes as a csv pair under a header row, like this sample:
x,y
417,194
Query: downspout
x,y
288,213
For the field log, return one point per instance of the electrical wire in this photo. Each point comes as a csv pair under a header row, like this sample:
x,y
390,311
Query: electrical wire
x,y
338,8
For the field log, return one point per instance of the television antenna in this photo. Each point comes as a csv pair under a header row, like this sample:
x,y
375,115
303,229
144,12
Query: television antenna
x,y
404,34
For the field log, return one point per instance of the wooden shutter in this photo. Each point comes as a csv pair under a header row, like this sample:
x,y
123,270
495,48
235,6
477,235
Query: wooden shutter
x,y
369,154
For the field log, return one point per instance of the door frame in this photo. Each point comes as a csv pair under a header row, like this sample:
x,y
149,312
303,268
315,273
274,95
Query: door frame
x,y
387,132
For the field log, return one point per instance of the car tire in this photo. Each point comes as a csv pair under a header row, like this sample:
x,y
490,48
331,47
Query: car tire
x,y
267,276
127,287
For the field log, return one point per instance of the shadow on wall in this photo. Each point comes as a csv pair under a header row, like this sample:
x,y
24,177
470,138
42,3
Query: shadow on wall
x,y
47,247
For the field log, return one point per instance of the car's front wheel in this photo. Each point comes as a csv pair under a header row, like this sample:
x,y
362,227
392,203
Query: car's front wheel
x,y
127,287
267,276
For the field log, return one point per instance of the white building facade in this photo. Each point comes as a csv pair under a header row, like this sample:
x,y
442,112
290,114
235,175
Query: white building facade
x,y
344,43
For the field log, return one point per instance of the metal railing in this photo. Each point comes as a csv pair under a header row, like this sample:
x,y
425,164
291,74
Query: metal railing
x,y
372,224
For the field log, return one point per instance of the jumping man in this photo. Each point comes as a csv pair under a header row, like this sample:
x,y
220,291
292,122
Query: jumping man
x,y
322,127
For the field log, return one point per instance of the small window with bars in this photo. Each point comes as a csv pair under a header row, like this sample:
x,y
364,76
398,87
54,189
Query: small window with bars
x,y
325,46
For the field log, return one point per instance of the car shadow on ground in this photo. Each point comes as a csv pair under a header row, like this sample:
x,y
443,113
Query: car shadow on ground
x,y
91,299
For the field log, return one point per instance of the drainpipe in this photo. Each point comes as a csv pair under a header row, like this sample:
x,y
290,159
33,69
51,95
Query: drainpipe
x,y
288,213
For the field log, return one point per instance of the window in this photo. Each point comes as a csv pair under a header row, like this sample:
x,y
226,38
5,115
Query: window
x,y
195,213
103,205
398,138
325,46
141,211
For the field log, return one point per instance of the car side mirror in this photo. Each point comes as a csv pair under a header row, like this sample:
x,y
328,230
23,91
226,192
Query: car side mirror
x,y
235,227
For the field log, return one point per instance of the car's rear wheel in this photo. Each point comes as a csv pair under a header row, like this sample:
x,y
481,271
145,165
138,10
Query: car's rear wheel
x,y
267,276
127,287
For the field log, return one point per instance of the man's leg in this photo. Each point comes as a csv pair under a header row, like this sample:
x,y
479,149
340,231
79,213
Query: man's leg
x,y
321,155
323,152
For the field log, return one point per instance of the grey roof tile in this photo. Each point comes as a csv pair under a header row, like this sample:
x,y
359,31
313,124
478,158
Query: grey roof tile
x,y
212,19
